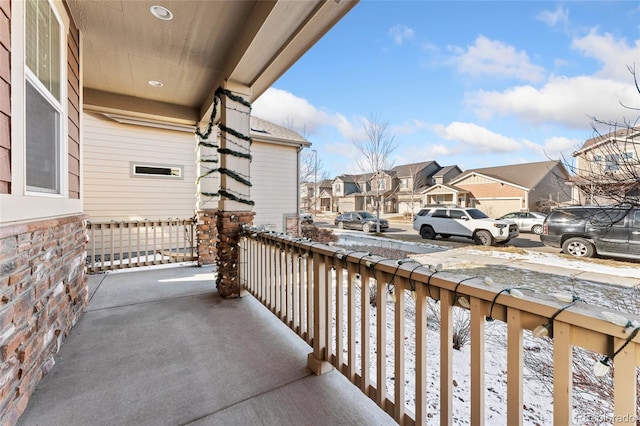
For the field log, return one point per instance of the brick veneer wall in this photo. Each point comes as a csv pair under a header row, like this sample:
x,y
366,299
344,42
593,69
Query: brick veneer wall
x,y
43,291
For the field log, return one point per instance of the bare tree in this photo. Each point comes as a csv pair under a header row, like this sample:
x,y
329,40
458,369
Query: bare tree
x,y
376,149
312,170
607,167
414,185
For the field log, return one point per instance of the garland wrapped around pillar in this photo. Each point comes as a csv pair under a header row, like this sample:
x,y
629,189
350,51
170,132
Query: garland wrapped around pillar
x,y
218,184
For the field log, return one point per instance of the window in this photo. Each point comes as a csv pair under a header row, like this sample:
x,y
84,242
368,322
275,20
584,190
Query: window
x,y
404,183
44,107
155,170
382,184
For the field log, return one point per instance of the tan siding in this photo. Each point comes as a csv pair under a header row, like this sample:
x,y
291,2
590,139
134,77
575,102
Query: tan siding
x,y
497,208
110,191
5,96
491,190
274,180
73,111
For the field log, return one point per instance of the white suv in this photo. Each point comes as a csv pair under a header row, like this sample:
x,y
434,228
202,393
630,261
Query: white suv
x,y
470,223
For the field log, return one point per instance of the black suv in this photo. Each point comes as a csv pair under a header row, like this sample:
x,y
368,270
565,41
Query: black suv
x,y
587,231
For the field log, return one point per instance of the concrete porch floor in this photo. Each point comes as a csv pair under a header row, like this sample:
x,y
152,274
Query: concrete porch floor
x,y
160,347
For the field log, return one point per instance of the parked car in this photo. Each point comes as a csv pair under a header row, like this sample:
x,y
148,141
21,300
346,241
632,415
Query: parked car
x,y
362,220
526,221
590,231
463,222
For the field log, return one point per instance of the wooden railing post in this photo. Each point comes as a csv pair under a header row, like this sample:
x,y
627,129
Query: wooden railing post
x,y
318,359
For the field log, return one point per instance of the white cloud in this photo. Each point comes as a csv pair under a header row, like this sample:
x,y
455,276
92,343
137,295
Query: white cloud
x,y
563,100
399,34
553,18
476,139
614,54
494,58
286,109
555,148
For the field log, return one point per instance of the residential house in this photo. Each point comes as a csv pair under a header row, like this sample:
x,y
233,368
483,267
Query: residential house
x,y
398,189
348,192
607,168
316,197
125,184
503,189
201,63
414,178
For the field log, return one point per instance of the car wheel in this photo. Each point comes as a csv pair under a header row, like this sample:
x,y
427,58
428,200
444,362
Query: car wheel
x,y
366,227
578,247
483,237
427,233
537,229
341,225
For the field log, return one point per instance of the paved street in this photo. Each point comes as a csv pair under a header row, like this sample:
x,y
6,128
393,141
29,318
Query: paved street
x,y
404,231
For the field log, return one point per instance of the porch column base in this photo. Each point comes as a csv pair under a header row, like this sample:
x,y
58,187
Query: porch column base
x,y
228,255
318,366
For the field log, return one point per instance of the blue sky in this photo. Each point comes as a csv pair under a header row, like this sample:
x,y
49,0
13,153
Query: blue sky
x,y
472,83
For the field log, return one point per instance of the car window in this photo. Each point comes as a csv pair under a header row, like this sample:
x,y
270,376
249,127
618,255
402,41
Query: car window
x,y
439,213
509,216
423,212
476,214
636,219
609,217
366,215
457,214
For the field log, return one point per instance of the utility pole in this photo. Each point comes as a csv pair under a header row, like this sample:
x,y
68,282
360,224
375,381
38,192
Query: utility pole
x,y
315,181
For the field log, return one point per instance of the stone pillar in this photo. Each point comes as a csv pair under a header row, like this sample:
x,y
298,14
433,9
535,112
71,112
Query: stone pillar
x,y
228,257
207,236
235,205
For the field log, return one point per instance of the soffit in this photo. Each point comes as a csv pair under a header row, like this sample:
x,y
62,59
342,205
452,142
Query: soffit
x,y
251,43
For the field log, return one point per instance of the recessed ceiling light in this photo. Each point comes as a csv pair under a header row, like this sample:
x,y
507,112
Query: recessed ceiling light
x,y
161,12
155,83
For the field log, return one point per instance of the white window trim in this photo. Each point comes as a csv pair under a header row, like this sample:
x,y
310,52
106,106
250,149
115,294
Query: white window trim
x,y
18,206
60,106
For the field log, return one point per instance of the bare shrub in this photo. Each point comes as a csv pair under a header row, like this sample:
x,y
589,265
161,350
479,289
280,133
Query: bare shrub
x,y
461,323
320,235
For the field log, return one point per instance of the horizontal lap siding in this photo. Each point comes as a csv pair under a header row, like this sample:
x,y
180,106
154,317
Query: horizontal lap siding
x,y
73,75
5,96
274,180
109,190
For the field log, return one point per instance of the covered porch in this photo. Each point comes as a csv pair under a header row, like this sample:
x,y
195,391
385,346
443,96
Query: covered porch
x,y
160,346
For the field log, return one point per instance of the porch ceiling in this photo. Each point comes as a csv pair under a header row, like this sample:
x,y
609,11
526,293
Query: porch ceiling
x,y
206,43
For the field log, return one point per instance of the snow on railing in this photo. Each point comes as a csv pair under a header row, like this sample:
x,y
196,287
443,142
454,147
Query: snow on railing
x,y
129,244
323,293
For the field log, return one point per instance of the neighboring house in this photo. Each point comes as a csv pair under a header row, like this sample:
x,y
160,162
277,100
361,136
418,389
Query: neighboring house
x,y
156,72
347,192
316,197
157,179
413,179
607,168
504,189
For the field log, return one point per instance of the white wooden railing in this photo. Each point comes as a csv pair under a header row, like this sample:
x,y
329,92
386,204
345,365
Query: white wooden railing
x,y
129,244
323,293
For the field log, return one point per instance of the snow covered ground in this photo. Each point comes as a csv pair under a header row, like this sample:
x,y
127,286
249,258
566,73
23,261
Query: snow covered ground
x,y
521,268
